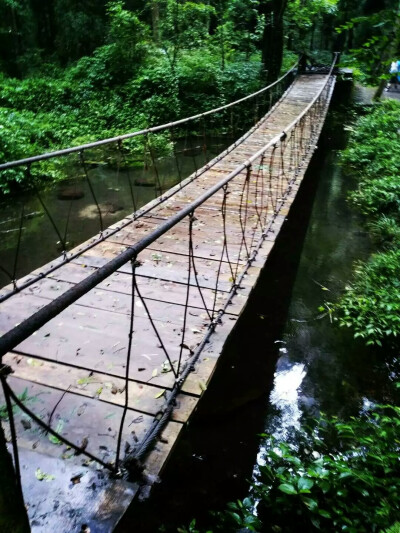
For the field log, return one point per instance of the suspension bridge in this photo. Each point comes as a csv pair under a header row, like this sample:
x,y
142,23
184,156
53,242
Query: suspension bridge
x,y
107,349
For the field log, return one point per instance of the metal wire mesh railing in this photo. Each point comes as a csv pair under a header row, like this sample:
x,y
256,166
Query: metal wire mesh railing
x,y
216,261
99,183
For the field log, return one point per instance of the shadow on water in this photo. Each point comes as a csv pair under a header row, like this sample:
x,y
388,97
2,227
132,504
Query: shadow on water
x,y
215,457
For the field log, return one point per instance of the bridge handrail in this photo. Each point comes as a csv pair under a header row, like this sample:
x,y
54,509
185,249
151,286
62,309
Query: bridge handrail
x,y
153,129
300,138
23,330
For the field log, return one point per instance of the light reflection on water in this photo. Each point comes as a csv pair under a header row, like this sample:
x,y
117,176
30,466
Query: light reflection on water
x,y
285,395
285,398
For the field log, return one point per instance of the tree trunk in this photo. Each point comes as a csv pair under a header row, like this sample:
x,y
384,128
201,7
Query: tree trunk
x,y
272,39
155,20
13,516
390,52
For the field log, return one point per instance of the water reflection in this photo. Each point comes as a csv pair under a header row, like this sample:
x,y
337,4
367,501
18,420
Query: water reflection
x,y
79,208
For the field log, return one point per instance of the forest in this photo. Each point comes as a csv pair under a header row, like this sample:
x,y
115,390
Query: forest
x,y
73,72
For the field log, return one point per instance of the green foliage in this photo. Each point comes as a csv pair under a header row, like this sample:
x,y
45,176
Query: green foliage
x,y
370,305
127,84
379,40
385,231
120,77
374,143
394,529
304,14
23,397
183,26
341,475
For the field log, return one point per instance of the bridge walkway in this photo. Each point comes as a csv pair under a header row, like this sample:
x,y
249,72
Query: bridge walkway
x,y
72,372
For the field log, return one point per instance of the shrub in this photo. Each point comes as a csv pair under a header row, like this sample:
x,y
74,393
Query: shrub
x,y
339,476
371,303
343,476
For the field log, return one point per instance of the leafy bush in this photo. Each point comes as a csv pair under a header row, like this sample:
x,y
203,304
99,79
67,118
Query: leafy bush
x,y
381,195
344,476
394,529
371,303
339,476
374,143
385,231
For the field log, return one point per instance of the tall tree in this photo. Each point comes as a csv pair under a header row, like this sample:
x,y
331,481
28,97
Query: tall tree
x,y
183,25
273,36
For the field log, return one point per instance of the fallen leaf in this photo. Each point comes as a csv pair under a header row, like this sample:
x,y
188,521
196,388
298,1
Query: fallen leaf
x,y
77,478
42,476
85,381
26,424
202,386
158,395
59,428
137,420
32,362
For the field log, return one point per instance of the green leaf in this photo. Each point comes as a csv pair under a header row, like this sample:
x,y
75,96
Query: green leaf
x,y
202,386
59,428
236,518
325,486
310,503
287,488
34,362
305,484
42,476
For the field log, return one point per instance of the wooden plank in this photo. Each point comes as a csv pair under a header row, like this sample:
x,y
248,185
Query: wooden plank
x,y
99,341
143,398
167,266
62,506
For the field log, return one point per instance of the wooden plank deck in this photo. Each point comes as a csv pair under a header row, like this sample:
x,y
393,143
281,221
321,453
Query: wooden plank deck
x,y
71,371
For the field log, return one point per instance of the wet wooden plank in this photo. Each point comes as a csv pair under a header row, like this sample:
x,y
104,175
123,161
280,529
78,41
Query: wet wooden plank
x,y
78,336
60,505
143,398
